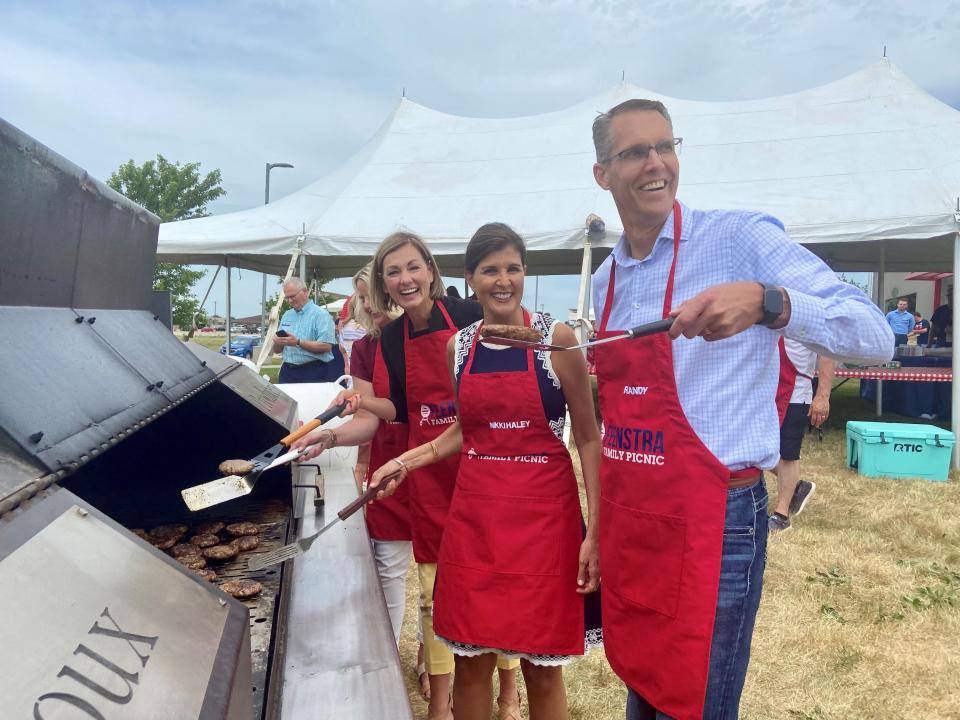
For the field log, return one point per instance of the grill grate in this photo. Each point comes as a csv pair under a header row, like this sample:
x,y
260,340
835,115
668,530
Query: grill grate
x,y
273,516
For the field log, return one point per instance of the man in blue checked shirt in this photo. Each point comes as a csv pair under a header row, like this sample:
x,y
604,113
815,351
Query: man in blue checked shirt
x,y
306,337
689,418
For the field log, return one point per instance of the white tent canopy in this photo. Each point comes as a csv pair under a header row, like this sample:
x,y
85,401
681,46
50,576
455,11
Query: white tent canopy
x,y
871,157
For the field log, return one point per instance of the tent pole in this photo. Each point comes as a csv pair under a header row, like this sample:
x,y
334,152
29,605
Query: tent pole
x,y
203,302
955,385
266,349
583,296
881,297
263,308
227,264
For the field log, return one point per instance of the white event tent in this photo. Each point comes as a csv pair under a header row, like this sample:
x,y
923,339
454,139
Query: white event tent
x,y
864,171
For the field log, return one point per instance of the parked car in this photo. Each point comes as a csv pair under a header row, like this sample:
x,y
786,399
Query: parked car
x,y
207,329
241,346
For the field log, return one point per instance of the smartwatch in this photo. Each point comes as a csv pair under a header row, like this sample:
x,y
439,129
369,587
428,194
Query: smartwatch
x,y
772,304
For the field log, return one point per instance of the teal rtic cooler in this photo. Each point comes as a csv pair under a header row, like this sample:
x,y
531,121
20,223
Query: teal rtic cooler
x,y
878,449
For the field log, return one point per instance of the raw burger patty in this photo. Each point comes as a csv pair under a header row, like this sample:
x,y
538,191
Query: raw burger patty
x,y
219,553
204,541
211,527
206,573
236,467
242,588
243,528
245,543
513,332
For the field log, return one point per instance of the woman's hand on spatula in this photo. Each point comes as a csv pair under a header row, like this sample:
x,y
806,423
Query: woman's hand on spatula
x,y
315,443
396,470
351,397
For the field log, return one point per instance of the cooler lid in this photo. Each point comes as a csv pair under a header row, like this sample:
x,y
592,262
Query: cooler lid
x,y
914,431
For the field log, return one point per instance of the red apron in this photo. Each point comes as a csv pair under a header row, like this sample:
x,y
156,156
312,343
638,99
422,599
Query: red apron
x,y
787,381
431,410
387,519
507,576
663,503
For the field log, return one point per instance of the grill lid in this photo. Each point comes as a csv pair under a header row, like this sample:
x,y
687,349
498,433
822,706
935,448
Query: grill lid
x,y
85,360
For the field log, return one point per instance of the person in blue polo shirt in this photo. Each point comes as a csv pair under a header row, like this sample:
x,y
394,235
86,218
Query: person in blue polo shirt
x,y
901,322
306,337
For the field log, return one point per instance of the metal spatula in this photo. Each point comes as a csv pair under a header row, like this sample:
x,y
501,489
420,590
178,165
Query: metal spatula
x,y
289,552
639,331
232,487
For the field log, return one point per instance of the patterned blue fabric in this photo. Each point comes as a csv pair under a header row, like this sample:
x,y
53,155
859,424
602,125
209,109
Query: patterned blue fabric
x,y
311,322
727,387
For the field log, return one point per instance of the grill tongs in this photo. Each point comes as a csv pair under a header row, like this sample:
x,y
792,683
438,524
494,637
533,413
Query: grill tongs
x,y
635,332
295,549
232,487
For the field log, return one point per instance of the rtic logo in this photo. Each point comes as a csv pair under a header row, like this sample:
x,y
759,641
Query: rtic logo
x,y
441,414
907,447
634,390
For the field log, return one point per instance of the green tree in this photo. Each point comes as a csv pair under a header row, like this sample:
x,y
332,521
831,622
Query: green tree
x,y
172,192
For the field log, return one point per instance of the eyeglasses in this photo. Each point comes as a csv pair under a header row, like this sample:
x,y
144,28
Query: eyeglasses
x,y
640,153
293,295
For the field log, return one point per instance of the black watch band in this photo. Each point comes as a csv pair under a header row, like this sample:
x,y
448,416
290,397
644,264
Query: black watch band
x,y
772,304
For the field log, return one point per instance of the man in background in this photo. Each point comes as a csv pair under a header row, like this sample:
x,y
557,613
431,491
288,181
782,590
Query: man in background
x,y
921,329
901,322
942,319
798,407
306,337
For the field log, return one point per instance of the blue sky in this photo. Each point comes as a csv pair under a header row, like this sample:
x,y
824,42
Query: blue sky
x,y
235,85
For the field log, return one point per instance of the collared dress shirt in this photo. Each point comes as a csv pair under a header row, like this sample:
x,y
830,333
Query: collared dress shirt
x,y
901,322
727,387
311,323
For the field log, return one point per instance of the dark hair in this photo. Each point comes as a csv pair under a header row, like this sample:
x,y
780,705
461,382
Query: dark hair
x,y
602,140
452,291
491,238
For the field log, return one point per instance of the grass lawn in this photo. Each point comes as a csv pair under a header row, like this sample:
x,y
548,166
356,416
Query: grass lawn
x,y
860,617
213,342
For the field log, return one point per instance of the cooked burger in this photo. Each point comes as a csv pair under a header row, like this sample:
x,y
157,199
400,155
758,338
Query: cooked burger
x,y
236,467
242,588
211,527
511,332
243,528
162,544
245,543
206,573
182,549
220,553
165,532
140,533
204,541
194,562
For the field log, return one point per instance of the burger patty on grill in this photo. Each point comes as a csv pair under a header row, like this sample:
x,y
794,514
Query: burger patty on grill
x,y
242,588
243,528
219,553
204,541
245,543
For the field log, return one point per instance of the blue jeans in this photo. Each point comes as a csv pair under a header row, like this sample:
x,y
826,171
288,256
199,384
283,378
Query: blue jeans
x,y
741,581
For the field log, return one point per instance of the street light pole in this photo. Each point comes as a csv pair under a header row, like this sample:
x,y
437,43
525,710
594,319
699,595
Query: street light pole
x,y
263,294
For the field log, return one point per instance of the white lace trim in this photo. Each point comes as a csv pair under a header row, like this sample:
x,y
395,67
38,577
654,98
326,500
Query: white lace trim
x,y
463,344
593,639
468,650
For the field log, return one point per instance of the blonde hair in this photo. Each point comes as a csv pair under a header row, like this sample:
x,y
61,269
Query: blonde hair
x,y
357,312
379,298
